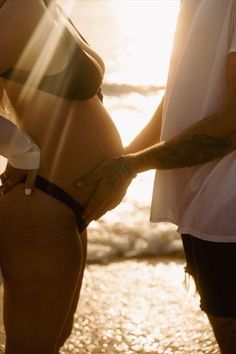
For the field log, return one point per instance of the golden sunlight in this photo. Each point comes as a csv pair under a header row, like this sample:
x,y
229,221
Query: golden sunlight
x,y
149,28
134,37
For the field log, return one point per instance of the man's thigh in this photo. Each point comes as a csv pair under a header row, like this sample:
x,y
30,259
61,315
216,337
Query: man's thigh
x,y
213,267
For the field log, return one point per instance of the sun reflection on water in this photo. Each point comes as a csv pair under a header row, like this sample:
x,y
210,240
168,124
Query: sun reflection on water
x,y
139,307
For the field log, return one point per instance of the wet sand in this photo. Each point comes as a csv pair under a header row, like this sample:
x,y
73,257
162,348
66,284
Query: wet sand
x,y
138,306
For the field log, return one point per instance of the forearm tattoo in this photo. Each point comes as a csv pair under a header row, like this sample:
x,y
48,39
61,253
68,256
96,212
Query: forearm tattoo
x,y
195,150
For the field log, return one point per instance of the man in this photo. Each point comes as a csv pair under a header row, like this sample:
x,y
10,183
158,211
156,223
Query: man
x,y
195,186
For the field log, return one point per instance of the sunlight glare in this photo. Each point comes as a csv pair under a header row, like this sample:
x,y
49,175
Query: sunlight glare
x,y
149,28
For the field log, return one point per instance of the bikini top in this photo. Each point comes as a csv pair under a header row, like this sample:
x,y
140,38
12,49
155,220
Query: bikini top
x,y
82,76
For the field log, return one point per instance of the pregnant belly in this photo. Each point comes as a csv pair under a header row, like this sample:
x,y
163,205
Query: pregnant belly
x,y
82,145
74,144
74,136
91,140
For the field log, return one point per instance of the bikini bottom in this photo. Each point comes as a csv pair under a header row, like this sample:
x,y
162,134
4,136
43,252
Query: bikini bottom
x,y
56,192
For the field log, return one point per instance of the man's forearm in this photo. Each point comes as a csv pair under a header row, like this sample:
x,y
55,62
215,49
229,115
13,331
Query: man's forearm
x,y
192,151
211,138
196,150
199,144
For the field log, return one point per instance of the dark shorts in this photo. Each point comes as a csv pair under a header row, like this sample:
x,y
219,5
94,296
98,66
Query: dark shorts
x,y
213,267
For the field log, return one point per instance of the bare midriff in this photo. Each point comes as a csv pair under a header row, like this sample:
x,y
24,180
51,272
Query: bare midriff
x,y
74,136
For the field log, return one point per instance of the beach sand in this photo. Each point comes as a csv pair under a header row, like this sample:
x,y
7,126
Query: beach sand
x,y
138,306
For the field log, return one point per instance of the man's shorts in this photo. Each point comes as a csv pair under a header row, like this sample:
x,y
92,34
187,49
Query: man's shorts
x,y
213,267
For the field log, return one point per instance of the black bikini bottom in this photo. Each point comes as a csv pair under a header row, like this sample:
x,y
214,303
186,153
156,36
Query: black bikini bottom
x,y
58,193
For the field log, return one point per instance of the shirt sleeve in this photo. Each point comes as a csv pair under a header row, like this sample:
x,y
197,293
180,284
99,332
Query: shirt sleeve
x,y
18,147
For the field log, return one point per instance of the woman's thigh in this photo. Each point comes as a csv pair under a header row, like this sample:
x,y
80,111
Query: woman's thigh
x,y
42,259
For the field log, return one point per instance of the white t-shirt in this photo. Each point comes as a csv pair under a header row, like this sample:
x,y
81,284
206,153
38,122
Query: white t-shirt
x,y
201,200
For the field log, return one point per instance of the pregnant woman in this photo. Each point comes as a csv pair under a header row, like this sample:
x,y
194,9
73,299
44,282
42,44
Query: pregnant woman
x,y
54,94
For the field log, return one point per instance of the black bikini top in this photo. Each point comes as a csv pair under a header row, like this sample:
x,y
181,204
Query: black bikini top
x,y
80,79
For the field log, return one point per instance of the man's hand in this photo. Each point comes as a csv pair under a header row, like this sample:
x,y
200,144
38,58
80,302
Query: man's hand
x,y
11,176
112,181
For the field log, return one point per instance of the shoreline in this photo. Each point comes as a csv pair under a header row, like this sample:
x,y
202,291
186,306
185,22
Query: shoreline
x,y
177,257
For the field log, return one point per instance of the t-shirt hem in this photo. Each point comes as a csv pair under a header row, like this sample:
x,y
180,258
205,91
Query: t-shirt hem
x,y
196,233
206,237
166,219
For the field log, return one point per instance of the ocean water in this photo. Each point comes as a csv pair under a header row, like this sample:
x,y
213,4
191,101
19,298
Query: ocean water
x,y
134,38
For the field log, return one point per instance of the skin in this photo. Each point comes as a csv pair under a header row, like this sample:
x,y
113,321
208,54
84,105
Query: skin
x,y
67,126
42,254
12,176
211,138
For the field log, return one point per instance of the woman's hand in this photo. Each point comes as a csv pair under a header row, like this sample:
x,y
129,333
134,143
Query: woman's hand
x,y
11,176
112,181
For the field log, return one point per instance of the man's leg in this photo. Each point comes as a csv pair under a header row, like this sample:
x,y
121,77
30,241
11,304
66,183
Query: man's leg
x,y
213,267
225,332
